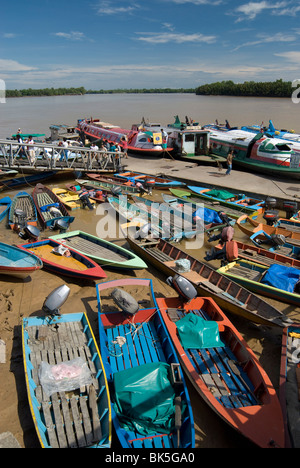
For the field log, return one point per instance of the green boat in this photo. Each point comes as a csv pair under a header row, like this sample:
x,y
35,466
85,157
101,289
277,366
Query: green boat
x,y
106,253
278,282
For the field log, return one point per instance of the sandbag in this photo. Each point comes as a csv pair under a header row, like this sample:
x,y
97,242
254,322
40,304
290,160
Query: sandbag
x,y
125,301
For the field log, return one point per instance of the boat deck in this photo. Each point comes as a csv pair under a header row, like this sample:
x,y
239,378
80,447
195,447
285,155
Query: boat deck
x,y
46,253
233,389
91,249
70,417
244,272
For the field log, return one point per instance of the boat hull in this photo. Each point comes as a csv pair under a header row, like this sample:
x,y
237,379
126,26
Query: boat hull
x,y
14,262
22,201
131,356
61,433
207,366
76,265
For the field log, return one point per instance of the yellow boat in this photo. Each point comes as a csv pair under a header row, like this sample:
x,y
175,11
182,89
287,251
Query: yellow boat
x,y
71,200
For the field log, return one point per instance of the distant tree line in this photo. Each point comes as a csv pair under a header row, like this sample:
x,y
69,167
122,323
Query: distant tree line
x,y
142,91
44,92
276,88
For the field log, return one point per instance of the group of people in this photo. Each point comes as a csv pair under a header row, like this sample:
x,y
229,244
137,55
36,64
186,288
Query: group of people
x,y
30,149
106,147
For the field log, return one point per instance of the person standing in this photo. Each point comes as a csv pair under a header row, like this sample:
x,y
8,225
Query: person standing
x,y
30,149
229,159
164,137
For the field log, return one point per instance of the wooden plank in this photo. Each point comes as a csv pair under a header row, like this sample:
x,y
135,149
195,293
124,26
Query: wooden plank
x,y
94,410
68,422
86,420
59,422
49,425
77,423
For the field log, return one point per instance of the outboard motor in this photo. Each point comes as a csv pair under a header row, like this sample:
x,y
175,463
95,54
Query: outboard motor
x,y
271,216
270,203
55,300
142,188
290,207
116,191
60,225
21,220
143,232
30,233
278,239
183,287
224,217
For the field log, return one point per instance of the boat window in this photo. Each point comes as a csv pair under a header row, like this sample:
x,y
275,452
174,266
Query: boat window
x,y
283,147
189,137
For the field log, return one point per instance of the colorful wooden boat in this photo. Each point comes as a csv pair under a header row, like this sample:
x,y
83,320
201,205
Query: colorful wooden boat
x,y
75,418
103,252
186,196
156,181
17,182
110,184
259,254
257,153
5,204
223,369
139,142
250,226
225,198
136,352
286,252
22,211
17,263
289,384
229,295
71,200
5,172
275,281
50,209
76,265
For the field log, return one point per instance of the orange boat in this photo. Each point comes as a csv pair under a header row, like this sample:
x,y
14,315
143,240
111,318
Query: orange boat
x,y
224,370
249,226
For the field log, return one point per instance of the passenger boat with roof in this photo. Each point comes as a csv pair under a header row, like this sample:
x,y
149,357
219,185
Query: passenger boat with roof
x,y
145,143
258,152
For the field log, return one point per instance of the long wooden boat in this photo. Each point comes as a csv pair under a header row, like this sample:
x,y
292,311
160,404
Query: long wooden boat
x,y
76,265
289,384
71,200
250,226
258,254
275,281
257,153
105,253
22,211
138,142
18,263
230,199
110,183
5,172
223,369
156,181
50,209
289,252
141,363
186,196
5,203
228,294
17,182
77,417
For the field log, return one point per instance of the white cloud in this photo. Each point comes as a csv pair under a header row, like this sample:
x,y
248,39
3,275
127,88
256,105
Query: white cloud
x,y
73,35
13,66
178,38
265,39
198,2
293,56
252,9
107,7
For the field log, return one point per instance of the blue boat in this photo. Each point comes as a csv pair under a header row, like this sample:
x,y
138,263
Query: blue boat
x,y
155,181
22,211
239,201
18,263
5,203
276,244
150,403
66,414
17,182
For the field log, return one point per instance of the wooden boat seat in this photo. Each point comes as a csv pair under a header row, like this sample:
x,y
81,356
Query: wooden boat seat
x,y
45,251
71,418
191,275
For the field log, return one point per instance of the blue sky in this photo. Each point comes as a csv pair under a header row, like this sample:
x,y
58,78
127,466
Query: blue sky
x,y
163,43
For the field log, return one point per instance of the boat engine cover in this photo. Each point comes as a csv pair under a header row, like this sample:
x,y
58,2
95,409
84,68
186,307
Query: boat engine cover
x,y
182,286
125,301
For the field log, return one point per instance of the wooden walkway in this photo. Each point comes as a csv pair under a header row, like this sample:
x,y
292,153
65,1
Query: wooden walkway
x,y
45,157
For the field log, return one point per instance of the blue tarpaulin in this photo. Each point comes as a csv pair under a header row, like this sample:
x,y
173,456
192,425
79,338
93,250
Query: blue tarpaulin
x,y
209,216
282,277
197,333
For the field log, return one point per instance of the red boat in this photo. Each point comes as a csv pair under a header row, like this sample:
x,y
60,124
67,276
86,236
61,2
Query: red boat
x,y
145,143
225,372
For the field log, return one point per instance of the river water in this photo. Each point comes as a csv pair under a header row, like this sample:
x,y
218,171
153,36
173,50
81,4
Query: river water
x,y
36,114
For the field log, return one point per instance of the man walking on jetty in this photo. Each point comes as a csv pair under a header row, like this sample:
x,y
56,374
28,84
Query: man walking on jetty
x,y
229,159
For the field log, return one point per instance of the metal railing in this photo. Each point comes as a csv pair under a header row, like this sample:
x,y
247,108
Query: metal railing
x,y
45,156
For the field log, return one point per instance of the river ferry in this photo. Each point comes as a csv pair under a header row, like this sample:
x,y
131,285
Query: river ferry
x,y
257,153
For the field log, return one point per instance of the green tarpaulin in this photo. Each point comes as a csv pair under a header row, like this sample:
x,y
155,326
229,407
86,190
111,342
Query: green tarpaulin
x,y
220,194
196,333
144,398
